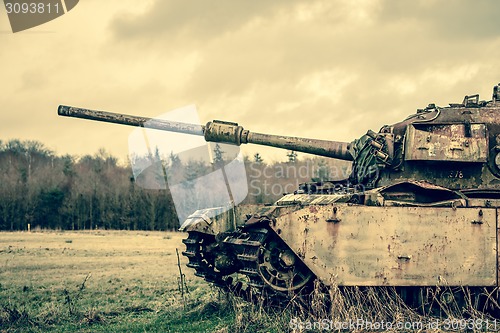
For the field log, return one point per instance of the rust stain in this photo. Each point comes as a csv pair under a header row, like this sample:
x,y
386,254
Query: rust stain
x,y
333,229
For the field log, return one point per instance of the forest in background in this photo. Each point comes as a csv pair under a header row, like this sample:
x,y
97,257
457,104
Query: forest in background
x,y
48,191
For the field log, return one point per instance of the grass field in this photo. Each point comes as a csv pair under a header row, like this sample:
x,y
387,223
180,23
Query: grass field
x,y
109,281
128,281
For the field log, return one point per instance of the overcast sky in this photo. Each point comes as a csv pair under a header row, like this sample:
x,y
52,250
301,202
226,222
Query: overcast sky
x,y
324,69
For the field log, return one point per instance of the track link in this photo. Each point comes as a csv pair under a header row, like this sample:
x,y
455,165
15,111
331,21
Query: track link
x,y
247,246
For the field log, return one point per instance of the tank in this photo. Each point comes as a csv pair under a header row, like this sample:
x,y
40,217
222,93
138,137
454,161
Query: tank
x,y
419,209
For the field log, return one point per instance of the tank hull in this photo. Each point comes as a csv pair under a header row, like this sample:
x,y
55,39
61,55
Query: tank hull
x,y
406,236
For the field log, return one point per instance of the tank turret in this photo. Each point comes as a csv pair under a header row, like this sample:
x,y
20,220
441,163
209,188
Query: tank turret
x,y
455,146
418,211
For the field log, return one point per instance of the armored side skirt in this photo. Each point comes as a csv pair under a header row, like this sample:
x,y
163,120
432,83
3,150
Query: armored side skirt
x,y
394,246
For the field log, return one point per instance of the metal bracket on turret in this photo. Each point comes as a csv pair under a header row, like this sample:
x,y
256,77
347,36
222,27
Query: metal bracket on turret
x,y
378,143
496,93
473,101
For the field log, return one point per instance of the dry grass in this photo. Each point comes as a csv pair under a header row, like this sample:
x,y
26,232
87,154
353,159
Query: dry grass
x,y
117,281
107,280
37,259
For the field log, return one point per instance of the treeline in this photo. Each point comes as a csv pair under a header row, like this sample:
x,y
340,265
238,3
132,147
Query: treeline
x,y
49,191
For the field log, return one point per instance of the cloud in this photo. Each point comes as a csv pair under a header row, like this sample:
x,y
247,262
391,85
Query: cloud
x,y
241,44
201,19
450,20
326,69
319,68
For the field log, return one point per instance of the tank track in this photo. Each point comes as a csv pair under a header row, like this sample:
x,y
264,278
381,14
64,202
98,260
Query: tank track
x,y
197,245
247,247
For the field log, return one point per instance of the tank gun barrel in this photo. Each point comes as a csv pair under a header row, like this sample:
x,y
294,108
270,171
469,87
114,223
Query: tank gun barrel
x,y
123,119
218,131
